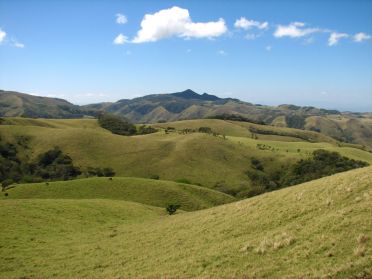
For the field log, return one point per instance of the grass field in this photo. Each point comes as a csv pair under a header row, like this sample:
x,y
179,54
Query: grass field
x,y
320,229
146,191
200,158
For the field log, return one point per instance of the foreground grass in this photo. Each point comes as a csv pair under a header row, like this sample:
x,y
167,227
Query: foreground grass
x,y
314,230
146,191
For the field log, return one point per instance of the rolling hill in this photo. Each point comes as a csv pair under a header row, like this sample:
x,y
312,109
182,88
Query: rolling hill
x,y
145,191
313,230
197,158
347,127
20,104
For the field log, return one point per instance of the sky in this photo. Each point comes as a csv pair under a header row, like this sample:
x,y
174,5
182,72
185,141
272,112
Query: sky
x,y
316,53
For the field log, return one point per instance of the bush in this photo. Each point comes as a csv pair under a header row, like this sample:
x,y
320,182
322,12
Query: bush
x,y
54,165
107,172
172,208
256,164
322,163
5,183
116,124
155,176
206,130
143,130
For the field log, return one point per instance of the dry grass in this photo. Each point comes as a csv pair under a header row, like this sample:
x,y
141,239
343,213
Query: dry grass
x,y
107,239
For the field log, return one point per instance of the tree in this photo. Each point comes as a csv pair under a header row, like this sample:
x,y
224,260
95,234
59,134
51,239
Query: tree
x,y
6,183
108,172
116,124
172,208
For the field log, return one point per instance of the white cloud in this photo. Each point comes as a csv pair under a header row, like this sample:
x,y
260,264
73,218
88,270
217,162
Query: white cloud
x,y
19,45
247,24
120,39
294,30
176,22
121,19
360,37
335,37
2,35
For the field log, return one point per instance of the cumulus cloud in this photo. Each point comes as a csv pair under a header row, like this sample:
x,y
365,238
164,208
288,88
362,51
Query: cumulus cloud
x,y
2,35
120,39
121,19
176,22
335,37
360,37
294,30
247,24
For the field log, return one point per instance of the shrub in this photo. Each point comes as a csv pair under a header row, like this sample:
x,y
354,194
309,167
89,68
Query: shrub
x,y
108,172
155,176
172,208
143,130
256,164
206,130
116,124
5,183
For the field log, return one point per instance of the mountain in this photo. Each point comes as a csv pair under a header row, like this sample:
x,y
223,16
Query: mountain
x,y
346,127
20,104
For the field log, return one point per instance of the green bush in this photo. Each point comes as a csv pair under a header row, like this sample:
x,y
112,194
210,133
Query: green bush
x,y
172,208
116,124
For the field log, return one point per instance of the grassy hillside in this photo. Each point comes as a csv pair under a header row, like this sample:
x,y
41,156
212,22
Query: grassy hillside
x,y
20,104
314,230
145,191
200,158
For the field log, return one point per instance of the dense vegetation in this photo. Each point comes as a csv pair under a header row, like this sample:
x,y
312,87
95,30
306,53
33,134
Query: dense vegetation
x,y
120,126
116,124
322,163
51,165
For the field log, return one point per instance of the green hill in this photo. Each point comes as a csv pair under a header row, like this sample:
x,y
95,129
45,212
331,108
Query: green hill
x,y
20,104
206,160
314,230
348,127
146,191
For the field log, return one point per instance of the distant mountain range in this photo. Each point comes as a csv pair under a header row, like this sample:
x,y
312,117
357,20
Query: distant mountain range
x,y
348,127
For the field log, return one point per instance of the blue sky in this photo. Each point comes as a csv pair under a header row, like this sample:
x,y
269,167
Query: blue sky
x,y
270,52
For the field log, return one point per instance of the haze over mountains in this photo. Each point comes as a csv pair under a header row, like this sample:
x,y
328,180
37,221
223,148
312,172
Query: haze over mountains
x,y
344,126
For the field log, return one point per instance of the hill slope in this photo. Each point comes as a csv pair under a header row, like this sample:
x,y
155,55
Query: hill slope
x,y
146,191
202,159
19,104
314,230
348,127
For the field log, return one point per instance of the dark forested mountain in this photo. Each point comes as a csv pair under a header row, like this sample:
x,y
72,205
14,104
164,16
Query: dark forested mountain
x,y
348,127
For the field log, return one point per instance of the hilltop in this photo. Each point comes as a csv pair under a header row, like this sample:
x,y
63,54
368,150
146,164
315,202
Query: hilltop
x,y
320,228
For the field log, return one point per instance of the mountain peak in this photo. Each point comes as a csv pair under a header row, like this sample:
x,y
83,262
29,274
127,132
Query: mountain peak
x,y
190,94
